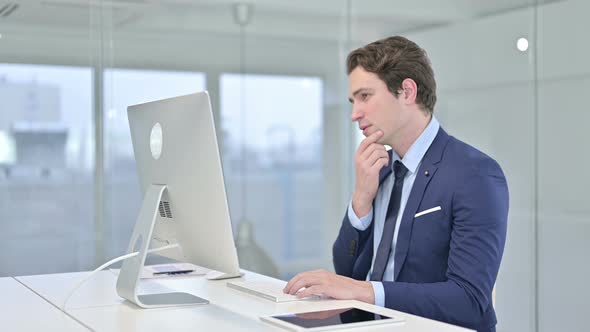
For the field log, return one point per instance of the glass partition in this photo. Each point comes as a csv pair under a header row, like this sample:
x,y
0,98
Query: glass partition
x,y
510,77
46,167
272,157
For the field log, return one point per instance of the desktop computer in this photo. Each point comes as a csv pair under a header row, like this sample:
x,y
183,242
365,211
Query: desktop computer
x,y
185,203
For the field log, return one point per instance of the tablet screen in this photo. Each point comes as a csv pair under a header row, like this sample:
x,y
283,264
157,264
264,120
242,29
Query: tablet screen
x,y
330,317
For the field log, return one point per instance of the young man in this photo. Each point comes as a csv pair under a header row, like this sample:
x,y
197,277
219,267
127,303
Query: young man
x,y
425,230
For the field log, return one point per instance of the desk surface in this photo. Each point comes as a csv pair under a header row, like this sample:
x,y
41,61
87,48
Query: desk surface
x,y
23,310
98,306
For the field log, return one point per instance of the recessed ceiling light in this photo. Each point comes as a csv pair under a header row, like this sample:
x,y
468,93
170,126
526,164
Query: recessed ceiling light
x,y
522,44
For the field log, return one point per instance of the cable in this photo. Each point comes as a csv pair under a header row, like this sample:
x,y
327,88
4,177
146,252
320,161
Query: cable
x,y
107,264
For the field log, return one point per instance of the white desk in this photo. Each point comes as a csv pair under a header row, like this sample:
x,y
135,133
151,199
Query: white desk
x,y
23,310
98,306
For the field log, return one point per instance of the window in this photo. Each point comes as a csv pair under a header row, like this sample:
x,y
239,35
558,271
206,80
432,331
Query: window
x,y
46,164
272,139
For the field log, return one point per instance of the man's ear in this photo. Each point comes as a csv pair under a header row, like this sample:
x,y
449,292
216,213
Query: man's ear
x,y
409,91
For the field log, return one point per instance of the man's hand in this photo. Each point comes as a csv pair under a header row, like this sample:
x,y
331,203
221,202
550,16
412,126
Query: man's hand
x,y
369,159
330,284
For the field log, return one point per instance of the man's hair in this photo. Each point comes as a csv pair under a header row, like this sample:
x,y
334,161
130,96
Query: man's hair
x,y
394,59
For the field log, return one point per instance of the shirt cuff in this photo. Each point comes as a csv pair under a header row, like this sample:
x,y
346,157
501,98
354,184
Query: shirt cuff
x,y
379,293
359,223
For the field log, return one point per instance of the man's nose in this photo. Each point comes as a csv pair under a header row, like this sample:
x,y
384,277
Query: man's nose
x,y
356,114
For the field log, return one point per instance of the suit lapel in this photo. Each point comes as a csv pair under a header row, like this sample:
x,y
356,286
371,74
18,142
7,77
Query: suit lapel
x,y
425,173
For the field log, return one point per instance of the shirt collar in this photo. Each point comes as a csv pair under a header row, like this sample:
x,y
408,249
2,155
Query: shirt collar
x,y
418,149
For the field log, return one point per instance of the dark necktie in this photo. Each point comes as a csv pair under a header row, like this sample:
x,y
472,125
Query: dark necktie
x,y
384,249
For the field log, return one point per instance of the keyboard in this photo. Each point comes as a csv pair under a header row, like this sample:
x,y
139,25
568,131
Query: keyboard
x,y
270,290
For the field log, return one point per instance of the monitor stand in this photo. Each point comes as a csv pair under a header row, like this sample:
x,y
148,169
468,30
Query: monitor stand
x,y
129,276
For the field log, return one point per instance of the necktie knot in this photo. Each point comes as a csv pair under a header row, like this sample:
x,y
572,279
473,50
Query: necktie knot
x,y
399,170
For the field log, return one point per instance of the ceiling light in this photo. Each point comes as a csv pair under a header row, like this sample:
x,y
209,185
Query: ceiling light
x,y
522,44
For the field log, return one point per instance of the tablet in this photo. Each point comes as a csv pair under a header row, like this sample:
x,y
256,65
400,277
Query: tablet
x,y
326,320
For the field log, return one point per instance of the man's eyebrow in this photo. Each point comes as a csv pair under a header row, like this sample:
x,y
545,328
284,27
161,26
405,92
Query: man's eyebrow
x,y
359,91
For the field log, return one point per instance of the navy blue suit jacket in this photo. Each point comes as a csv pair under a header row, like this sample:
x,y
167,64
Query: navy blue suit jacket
x,y
446,262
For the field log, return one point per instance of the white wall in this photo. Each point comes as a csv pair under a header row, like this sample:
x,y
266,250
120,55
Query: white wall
x,y
487,97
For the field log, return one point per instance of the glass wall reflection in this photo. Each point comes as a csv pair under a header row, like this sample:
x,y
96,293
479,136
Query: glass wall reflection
x,y
272,157
46,162
563,79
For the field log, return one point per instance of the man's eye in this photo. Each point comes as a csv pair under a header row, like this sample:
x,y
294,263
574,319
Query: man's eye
x,y
364,96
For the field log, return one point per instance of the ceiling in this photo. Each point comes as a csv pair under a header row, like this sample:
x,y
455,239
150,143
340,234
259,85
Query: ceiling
x,y
322,20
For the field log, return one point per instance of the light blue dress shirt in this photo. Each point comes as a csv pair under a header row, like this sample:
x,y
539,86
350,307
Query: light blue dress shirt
x,y
412,161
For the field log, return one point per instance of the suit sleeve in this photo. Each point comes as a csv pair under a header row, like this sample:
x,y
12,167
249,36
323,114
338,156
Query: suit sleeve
x,y
480,212
361,223
348,245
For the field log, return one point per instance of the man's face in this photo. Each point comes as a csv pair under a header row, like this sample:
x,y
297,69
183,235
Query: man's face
x,y
374,107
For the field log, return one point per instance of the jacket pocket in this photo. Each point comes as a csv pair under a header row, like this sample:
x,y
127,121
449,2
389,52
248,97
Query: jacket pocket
x,y
427,211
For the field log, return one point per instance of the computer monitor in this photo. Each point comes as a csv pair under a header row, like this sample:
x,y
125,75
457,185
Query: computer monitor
x,y
185,202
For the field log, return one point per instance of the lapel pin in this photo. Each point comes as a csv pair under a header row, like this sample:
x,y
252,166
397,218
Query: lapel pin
x,y
426,173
